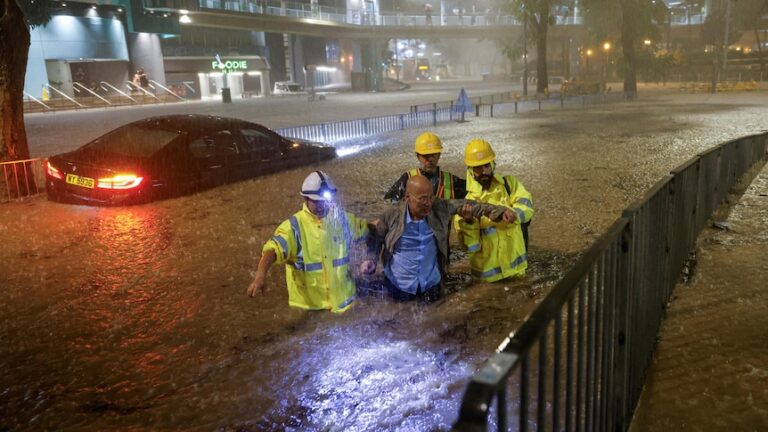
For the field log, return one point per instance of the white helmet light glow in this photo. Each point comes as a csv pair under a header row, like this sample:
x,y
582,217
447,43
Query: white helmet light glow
x,y
318,186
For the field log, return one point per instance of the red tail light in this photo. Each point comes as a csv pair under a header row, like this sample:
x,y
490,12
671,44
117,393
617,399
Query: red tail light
x,y
122,181
53,172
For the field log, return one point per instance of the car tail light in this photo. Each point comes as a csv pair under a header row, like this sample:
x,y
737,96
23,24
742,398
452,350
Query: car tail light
x,y
53,172
122,181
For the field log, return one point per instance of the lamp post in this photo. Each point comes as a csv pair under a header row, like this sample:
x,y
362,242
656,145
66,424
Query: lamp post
x,y
525,53
589,54
604,74
669,28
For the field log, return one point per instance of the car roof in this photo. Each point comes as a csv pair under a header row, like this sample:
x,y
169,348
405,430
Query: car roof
x,y
189,121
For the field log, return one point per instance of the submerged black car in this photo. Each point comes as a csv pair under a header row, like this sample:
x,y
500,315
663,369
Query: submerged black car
x,y
167,156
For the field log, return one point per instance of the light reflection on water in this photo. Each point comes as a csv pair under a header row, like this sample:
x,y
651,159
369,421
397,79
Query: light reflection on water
x,y
136,318
374,375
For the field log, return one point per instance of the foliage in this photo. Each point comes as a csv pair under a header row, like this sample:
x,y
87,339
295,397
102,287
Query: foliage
x,y
660,65
36,12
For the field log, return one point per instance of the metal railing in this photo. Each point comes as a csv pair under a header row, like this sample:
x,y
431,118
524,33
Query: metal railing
x,y
434,113
588,343
350,129
29,97
62,94
21,179
79,88
141,91
155,85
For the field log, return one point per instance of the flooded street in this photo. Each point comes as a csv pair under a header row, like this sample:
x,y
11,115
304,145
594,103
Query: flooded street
x,y
712,355
136,318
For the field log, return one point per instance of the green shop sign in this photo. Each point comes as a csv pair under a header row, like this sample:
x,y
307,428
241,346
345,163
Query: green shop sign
x,y
229,66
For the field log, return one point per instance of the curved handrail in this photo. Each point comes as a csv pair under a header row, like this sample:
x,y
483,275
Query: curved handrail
x,y
157,84
104,83
61,93
77,86
36,100
132,85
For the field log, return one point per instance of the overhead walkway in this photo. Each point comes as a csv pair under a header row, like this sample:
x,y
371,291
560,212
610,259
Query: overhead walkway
x,y
300,18
274,16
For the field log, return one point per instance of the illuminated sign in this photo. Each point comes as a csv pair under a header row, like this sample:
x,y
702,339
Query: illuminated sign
x,y
423,67
229,66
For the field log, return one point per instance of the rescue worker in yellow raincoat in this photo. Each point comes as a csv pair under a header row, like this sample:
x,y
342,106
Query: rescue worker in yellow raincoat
x,y
445,185
497,250
314,244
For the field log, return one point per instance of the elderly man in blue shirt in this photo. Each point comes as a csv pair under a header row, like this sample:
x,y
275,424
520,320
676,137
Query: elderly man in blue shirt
x,y
415,238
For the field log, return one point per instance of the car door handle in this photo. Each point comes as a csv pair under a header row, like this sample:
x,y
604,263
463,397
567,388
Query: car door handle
x,y
215,166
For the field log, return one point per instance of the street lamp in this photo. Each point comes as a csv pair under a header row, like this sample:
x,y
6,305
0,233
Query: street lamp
x,y
525,53
589,54
604,78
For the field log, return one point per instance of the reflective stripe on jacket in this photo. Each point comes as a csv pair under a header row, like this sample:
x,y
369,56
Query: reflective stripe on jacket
x,y
444,186
497,250
315,252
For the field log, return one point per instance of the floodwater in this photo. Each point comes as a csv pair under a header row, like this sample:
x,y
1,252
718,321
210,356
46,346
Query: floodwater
x,y
136,318
712,356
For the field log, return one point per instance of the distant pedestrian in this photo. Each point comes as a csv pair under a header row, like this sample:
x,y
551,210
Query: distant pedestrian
x,y
140,79
428,13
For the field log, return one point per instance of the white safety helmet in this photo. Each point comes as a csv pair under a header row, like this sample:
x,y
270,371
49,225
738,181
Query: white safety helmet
x,y
318,187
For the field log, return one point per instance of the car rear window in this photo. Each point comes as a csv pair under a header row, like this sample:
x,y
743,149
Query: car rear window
x,y
133,140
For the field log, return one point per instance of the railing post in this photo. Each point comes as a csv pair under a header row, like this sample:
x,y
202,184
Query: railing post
x,y
515,107
620,333
434,114
477,110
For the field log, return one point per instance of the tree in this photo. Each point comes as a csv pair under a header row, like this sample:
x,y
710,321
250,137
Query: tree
x,y
631,21
537,14
749,16
16,19
716,25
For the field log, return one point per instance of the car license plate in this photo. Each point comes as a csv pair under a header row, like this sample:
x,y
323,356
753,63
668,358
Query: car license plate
x,y
80,181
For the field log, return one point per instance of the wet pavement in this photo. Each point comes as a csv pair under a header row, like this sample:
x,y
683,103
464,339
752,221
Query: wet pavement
x,y
710,368
136,318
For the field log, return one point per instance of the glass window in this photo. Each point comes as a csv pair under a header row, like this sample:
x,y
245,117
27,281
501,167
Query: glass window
x,y
263,145
134,140
220,142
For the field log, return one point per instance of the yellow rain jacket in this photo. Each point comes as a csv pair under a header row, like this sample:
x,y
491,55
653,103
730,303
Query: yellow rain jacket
x,y
497,250
315,252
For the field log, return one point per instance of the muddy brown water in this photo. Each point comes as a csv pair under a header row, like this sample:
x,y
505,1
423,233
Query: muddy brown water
x,y
136,318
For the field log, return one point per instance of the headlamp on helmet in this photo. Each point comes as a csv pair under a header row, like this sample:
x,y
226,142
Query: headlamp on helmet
x,y
318,186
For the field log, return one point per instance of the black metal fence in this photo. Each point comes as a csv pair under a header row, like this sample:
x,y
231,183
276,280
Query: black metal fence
x,y
438,112
578,362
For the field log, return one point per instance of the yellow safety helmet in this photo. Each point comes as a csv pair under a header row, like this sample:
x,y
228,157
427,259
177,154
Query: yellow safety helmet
x,y
428,143
478,153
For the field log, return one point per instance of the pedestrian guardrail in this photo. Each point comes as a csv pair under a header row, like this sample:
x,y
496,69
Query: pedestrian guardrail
x,y
21,179
432,114
349,129
578,362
